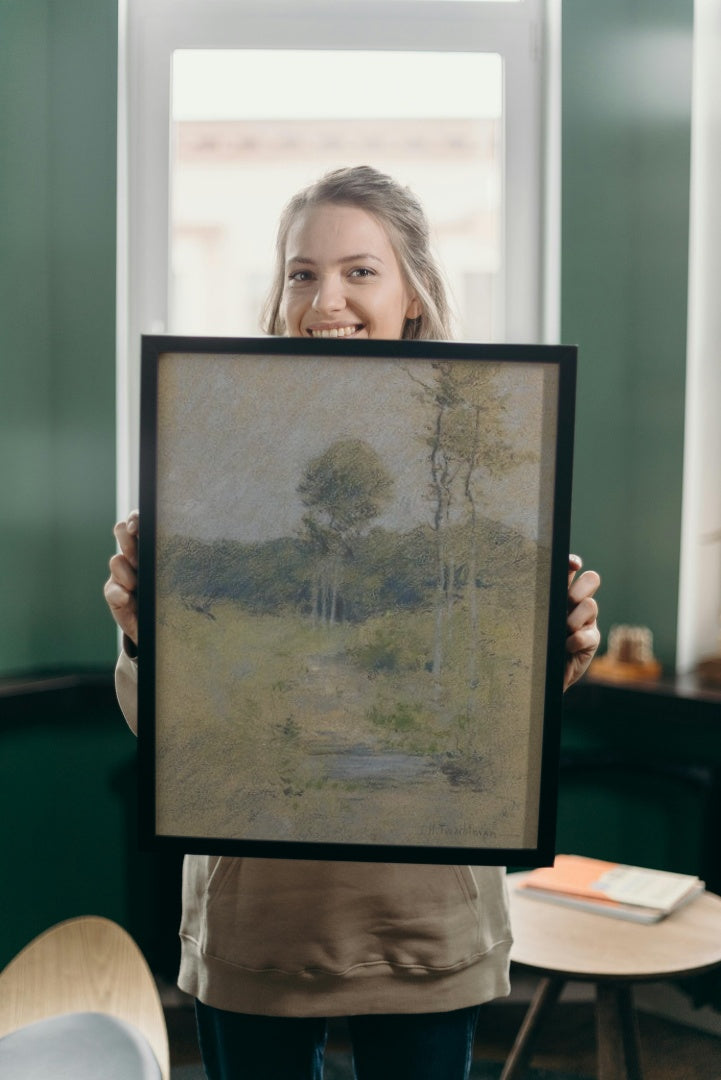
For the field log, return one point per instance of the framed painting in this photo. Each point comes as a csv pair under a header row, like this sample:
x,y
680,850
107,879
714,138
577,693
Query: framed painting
x,y
352,597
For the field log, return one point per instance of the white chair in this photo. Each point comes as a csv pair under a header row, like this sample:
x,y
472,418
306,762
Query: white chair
x,y
80,1002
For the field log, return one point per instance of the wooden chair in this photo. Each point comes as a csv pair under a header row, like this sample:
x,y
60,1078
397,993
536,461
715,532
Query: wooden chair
x,y
83,970
564,944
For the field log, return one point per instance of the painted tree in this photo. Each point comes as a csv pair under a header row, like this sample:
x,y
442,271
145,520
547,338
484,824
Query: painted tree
x,y
345,488
440,395
442,492
476,439
467,447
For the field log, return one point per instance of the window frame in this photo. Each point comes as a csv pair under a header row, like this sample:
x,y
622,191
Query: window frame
x,y
526,34
699,594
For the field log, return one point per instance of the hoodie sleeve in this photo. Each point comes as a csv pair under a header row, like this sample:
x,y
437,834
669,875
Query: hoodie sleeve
x,y
126,687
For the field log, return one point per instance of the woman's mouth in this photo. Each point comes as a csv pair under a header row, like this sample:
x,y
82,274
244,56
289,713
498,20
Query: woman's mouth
x,y
335,331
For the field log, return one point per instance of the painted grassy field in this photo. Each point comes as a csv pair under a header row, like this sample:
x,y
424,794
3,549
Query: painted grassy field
x,y
273,727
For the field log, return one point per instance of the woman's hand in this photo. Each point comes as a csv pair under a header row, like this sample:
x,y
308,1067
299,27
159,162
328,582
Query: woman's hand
x,y
121,587
583,636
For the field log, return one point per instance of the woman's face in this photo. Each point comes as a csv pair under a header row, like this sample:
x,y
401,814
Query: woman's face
x,y
342,277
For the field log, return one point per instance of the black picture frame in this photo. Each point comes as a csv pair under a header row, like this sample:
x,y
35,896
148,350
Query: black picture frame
x,y
353,571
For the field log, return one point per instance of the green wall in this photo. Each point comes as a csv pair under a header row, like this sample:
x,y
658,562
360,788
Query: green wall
x,y
67,773
625,200
58,72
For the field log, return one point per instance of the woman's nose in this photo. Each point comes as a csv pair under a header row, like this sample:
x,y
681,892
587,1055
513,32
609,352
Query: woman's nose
x,y
329,296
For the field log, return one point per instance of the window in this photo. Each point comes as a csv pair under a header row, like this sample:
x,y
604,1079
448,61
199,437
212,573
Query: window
x,y
236,161
227,107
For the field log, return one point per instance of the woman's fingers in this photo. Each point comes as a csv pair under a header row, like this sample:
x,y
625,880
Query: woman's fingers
x,y
582,633
583,612
121,587
123,608
126,534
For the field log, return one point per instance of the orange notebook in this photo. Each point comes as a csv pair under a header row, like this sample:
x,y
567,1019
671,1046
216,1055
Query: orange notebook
x,y
632,892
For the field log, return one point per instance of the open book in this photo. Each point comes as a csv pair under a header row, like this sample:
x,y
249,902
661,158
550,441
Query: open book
x,y
608,888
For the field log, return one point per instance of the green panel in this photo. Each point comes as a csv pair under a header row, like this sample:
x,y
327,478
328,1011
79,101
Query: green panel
x,y
620,815
68,798
63,788
26,490
642,780
82,303
626,161
58,73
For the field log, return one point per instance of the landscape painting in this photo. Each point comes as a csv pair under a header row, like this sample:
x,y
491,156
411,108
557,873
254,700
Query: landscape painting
x,y
352,596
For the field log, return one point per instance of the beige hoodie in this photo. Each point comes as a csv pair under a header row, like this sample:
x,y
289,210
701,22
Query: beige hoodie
x,y
284,937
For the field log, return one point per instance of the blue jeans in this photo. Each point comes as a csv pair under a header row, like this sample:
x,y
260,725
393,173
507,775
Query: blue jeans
x,y
415,1046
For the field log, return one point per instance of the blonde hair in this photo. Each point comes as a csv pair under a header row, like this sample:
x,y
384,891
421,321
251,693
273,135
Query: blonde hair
x,y
403,217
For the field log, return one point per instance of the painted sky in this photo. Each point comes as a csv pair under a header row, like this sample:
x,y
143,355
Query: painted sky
x,y
236,432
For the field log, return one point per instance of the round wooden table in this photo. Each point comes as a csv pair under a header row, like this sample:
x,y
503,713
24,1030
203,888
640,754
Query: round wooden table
x,y
562,944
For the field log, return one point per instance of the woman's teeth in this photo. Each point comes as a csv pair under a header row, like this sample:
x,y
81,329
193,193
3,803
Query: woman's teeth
x,y
337,331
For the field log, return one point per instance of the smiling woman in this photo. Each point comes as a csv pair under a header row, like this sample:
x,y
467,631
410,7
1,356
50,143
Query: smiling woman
x,y
331,292
353,259
272,946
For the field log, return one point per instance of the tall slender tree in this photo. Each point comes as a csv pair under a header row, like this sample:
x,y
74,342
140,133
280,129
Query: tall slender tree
x,y
467,445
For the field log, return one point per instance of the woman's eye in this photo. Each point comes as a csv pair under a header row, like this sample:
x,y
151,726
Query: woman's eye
x,y
362,272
